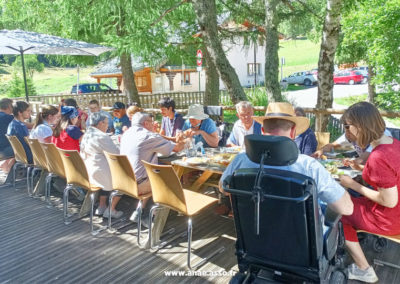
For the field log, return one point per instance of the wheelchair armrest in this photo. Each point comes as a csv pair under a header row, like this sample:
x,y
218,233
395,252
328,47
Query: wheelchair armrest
x,y
331,217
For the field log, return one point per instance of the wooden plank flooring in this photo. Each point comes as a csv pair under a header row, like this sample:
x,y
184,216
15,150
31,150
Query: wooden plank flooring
x,y
36,247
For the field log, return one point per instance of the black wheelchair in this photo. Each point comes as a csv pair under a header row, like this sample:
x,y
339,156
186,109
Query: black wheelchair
x,y
280,237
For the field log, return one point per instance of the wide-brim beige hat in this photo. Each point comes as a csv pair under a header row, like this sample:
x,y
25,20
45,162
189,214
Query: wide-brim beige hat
x,y
196,111
284,111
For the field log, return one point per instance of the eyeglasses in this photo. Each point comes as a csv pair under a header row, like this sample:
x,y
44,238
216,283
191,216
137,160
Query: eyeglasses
x,y
346,126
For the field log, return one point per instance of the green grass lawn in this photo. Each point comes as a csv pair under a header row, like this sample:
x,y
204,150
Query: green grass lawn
x,y
300,54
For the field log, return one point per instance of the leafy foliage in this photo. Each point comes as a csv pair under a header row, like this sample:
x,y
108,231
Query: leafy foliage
x,y
16,87
32,65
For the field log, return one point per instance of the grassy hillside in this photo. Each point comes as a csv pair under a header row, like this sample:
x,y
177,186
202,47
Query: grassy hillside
x,y
299,55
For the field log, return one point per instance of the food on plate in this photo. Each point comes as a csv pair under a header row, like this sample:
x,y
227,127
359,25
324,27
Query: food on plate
x,y
222,159
196,160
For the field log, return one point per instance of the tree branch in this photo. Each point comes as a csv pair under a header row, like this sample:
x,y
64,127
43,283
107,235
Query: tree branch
x,y
168,11
310,11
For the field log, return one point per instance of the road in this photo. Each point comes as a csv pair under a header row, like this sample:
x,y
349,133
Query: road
x,y
308,97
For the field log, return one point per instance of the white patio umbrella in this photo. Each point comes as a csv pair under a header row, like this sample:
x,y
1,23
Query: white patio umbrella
x,y
24,42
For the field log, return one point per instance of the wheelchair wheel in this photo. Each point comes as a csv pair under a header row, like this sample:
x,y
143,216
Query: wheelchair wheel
x,y
338,277
380,244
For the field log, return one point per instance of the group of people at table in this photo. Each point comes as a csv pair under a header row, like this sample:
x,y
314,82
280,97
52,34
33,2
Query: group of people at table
x,y
376,209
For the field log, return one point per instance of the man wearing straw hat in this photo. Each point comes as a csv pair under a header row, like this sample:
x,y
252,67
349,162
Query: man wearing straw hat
x,y
200,127
281,120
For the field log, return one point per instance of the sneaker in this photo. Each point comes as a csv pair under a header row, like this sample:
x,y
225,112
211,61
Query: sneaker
x,y
368,275
114,214
100,211
134,217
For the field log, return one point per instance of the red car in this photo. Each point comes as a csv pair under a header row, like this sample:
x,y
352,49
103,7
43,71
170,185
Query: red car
x,y
348,77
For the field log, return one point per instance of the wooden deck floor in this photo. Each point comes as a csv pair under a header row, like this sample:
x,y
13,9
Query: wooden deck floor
x,y
36,247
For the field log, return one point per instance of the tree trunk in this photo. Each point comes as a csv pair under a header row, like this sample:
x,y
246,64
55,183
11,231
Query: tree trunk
x,y
207,19
330,39
130,89
272,85
211,95
371,86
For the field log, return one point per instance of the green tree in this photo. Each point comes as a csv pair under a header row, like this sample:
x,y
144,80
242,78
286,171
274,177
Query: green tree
x,y
16,86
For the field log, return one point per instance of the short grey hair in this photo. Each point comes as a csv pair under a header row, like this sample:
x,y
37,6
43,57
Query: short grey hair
x,y
243,104
97,117
140,117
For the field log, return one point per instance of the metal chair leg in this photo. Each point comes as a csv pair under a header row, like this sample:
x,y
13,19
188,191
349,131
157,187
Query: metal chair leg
x,y
91,214
139,210
14,174
154,208
189,234
65,200
47,190
110,200
33,171
204,260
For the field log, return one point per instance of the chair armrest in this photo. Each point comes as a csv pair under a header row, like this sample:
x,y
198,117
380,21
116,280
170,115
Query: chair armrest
x,y
331,217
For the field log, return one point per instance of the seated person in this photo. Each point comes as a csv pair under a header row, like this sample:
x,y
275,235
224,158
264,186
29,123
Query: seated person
x,y
42,129
378,210
171,121
281,120
140,143
94,143
94,106
200,127
6,151
120,118
349,140
306,141
82,116
17,127
130,111
66,134
244,126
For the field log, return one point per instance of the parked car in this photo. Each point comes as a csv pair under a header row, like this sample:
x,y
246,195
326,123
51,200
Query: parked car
x,y
364,71
347,77
302,78
92,88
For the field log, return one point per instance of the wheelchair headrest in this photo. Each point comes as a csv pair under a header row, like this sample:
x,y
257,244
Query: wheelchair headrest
x,y
277,150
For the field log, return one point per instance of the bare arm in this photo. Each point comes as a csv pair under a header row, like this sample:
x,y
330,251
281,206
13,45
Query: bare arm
x,y
387,197
343,206
211,139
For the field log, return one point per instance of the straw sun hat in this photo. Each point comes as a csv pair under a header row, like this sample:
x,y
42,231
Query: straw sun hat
x,y
196,111
284,111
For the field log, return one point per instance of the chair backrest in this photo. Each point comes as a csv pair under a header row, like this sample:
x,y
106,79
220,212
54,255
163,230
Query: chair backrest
x,y
166,187
290,232
19,151
54,163
75,169
39,158
122,175
322,138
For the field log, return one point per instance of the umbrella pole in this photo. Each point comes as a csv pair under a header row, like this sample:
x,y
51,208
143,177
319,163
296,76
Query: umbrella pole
x,y
24,72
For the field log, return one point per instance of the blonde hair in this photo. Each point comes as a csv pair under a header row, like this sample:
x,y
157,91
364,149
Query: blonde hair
x,y
132,110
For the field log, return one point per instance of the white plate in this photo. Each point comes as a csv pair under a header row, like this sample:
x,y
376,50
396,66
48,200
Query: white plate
x,y
196,161
165,156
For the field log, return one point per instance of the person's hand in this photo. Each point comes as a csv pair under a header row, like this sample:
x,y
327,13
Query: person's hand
x,y
317,154
347,181
180,136
353,163
156,127
189,133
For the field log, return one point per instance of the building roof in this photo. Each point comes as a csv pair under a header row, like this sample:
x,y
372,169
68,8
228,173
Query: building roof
x,y
113,67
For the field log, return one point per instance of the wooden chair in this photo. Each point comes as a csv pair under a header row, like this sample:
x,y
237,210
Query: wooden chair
x,y
39,158
55,167
322,139
167,191
77,176
20,160
124,182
